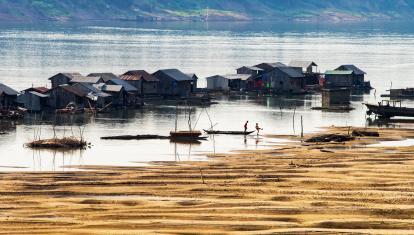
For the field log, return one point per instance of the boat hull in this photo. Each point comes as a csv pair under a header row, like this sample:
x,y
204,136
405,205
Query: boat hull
x,y
210,132
390,111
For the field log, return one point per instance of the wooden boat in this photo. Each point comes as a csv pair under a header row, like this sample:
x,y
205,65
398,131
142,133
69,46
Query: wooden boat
x,y
185,134
387,109
213,132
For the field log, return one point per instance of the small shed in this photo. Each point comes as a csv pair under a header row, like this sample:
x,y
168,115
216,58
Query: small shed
x,y
63,78
237,82
119,97
146,83
8,97
33,101
338,78
335,97
308,67
217,83
173,82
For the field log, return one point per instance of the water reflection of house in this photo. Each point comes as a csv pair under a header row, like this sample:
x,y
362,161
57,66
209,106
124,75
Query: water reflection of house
x,y
144,82
337,97
173,82
8,97
34,99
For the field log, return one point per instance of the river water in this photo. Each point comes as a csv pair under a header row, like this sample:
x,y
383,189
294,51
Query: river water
x,y
31,53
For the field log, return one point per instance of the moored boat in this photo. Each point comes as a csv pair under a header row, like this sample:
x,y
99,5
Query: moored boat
x,y
388,109
213,132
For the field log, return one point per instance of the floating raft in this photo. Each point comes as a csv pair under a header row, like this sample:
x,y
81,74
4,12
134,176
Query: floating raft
x,y
212,132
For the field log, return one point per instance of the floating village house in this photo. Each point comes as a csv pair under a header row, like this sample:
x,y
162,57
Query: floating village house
x,y
8,97
274,77
71,78
123,93
173,82
217,83
34,99
309,70
144,82
81,95
338,78
358,76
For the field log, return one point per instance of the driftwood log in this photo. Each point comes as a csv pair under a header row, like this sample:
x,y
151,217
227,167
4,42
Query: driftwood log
x,y
360,133
329,138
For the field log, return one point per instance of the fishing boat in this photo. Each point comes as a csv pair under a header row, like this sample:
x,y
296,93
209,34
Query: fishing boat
x,y
389,108
189,135
213,132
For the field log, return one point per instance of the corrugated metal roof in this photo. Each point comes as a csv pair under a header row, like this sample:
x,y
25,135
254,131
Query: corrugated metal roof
x,y
136,75
291,72
302,63
38,94
68,75
105,76
7,90
338,72
243,77
83,79
176,74
108,88
270,66
128,87
351,67
73,90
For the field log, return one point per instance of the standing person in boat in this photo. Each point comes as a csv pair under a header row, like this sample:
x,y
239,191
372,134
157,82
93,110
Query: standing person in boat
x,y
245,126
258,129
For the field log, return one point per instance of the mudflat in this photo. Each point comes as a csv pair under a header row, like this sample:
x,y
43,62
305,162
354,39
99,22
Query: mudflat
x,y
298,188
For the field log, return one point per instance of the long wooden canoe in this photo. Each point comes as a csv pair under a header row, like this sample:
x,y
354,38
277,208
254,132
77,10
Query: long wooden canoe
x,y
388,111
212,132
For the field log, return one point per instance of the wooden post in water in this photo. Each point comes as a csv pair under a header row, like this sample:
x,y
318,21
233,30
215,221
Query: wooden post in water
x,y
301,126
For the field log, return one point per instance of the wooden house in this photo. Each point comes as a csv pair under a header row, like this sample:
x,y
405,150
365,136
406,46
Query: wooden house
x,y
358,76
81,94
284,80
217,83
34,99
309,69
338,78
130,94
146,83
8,97
119,96
173,82
237,82
63,78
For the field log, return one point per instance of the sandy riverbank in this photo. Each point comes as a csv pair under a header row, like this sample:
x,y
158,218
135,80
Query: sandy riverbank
x,y
297,188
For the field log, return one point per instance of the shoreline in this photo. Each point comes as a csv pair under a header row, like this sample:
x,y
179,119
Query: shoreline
x,y
297,188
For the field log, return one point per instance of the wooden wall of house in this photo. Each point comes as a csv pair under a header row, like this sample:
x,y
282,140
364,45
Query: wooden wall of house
x,y
7,101
58,80
282,83
170,87
150,88
338,80
60,98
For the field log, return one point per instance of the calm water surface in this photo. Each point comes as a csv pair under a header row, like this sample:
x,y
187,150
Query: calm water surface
x,y
29,54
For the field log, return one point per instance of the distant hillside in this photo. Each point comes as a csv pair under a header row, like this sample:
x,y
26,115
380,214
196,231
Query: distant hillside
x,y
199,10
